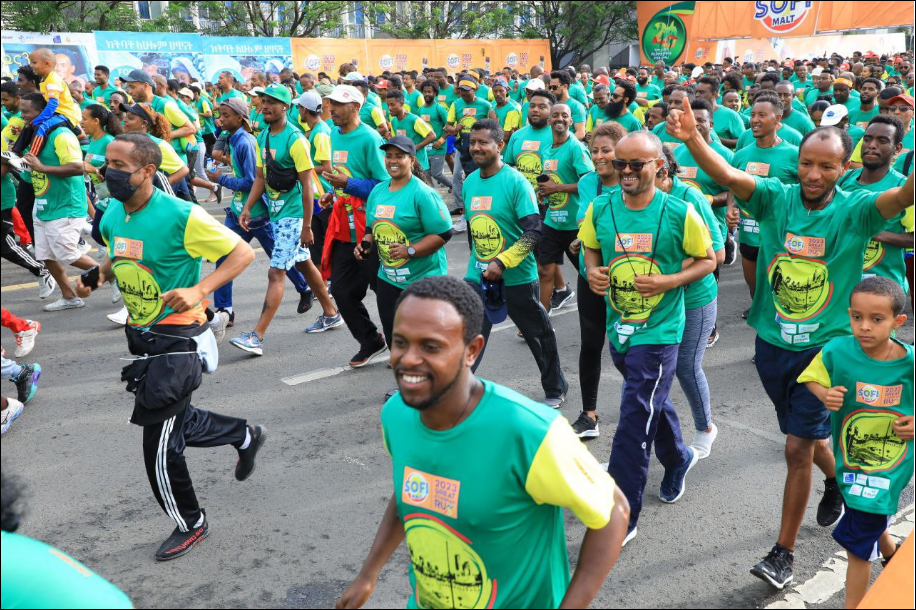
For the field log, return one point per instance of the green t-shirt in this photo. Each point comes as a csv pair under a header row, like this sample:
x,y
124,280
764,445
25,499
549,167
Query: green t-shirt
x,y
357,155
289,149
588,192
447,96
873,464
416,129
596,117
95,156
577,110
564,165
159,248
577,92
405,217
493,207
785,133
704,291
883,259
56,197
465,115
508,115
525,150
654,240
103,96
239,198
373,98
87,101
855,134
191,113
484,93
691,173
813,93
628,122
414,100
222,97
207,124
900,165
481,503
319,138
809,262
648,92
169,108
436,117
727,123
257,122
860,118
799,121
36,575
780,161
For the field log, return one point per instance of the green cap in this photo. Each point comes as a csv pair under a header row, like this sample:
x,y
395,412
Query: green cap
x,y
278,92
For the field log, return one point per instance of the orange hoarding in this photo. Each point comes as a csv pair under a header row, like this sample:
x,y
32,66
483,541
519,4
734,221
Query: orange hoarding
x,y
857,15
665,29
328,54
398,55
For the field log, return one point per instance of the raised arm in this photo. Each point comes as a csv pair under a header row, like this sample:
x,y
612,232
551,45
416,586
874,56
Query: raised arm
x,y
892,202
683,126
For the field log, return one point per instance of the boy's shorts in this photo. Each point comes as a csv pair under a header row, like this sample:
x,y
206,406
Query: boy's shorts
x,y
858,532
288,248
450,145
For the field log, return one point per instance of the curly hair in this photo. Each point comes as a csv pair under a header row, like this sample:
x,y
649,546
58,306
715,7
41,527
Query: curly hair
x,y
456,292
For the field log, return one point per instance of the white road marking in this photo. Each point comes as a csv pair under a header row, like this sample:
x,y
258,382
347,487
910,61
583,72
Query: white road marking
x,y
328,372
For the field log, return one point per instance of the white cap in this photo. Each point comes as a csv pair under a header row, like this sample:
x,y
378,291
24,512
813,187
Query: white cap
x,y
817,71
834,114
185,92
310,100
256,91
354,76
346,94
696,72
535,84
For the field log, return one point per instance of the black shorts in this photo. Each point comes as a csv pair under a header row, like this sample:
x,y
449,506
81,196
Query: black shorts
x,y
858,532
749,252
554,244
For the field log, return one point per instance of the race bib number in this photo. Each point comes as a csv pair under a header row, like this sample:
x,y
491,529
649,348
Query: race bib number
x,y
531,145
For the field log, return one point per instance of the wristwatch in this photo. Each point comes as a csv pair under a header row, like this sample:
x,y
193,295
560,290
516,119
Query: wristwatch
x,y
411,251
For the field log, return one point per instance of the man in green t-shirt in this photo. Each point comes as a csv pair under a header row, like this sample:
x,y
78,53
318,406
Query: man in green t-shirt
x,y
868,103
56,175
409,125
637,241
436,116
484,527
464,112
796,119
813,237
505,111
560,81
726,122
646,92
618,108
505,226
102,93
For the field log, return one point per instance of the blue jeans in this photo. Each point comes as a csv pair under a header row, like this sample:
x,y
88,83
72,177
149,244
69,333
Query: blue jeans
x,y
698,325
646,417
259,228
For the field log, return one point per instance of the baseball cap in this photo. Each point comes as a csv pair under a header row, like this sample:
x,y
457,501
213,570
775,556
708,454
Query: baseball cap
x,y
382,84
279,93
906,99
535,84
346,94
494,300
256,91
310,100
468,83
354,77
834,114
238,106
603,79
185,92
138,76
500,82
843,81
401,143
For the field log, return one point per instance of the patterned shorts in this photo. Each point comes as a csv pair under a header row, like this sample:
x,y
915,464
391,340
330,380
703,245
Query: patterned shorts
x,y
288,249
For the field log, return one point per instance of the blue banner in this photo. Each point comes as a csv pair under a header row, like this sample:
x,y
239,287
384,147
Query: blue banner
x,y
245,56
178,56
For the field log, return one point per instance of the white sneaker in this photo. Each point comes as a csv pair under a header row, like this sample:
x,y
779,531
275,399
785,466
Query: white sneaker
x,y
460,225
629,536
115,292
119,317
85,246
62,304
25,340
218,325
11,412
702,441
46,286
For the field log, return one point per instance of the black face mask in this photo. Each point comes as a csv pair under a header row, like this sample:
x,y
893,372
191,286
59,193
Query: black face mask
x,y
118,183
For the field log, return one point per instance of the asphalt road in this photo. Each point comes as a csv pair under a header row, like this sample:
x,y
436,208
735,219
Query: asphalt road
x,y
296,533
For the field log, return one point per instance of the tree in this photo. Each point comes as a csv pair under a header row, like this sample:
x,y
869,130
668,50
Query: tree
x,y
448,19
282,19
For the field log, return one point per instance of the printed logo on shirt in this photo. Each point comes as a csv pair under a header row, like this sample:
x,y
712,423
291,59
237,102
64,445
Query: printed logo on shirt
x,y
874,253
387,234
757,169
805,246
531,145
437,494
801,288
869,443
479,204
425,117
687,172
401,132
878,395
633,242
385,211
550,165
623,296
488,239
340,156
128,248
469,112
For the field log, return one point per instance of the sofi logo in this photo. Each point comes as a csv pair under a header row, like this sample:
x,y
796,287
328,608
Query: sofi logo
x,y
453,61
386,62
781,17
312,63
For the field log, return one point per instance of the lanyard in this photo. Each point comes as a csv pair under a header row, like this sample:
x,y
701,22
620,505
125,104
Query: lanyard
x,y
657,235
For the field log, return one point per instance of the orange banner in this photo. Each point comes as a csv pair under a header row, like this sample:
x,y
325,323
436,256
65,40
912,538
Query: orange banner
x,y
857,15
521,55
328,54
665,30
398,55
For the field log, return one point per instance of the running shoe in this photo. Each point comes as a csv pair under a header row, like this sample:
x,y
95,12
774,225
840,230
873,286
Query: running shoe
x,y
84,246
631,533
731,250
460,225
746,313
560,298
585,426
25,339
61,304
231,316
365,355
115,292
245,465
554,402
702,442
673,483
305,301
180,543
324,323
46,285
250,343
713,338
776,567
27,382
219,324
11,412
119,317
830,508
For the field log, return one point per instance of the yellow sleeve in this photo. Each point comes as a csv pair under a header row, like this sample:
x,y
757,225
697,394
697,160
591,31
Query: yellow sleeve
x,y
207,238
377,117
205,106
451,118
67,147
564,473
857,153
322,147
299,151
589,123
53,87
422,128
174,114
171,162
258,162
513,120
816,372
587,234
909,219
7,133
696,235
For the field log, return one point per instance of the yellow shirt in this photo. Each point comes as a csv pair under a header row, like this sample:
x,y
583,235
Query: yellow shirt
x,y
53,87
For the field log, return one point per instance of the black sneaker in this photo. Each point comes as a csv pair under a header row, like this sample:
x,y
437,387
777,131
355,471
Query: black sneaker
x,y
27,382
776,568
585,426
560,298
830,508
180,543
746,313
731,250
305,301
365,354
231,316
887,560
245,465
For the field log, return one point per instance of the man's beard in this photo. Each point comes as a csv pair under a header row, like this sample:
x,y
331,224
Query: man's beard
x,y
539,124
642,81
435,398
828,194
614,109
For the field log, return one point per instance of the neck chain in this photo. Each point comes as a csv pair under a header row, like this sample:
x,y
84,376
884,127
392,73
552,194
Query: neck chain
x,y
821,207
128,215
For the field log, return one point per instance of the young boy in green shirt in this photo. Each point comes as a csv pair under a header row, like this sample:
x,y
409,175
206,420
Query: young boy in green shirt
x,y
866,380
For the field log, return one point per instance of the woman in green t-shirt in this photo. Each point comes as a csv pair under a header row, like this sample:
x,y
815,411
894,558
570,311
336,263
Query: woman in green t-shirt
x,y
101,126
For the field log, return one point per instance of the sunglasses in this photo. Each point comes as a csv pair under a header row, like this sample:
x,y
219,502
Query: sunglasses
x,y
636,165
616,96
554,87
899,108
